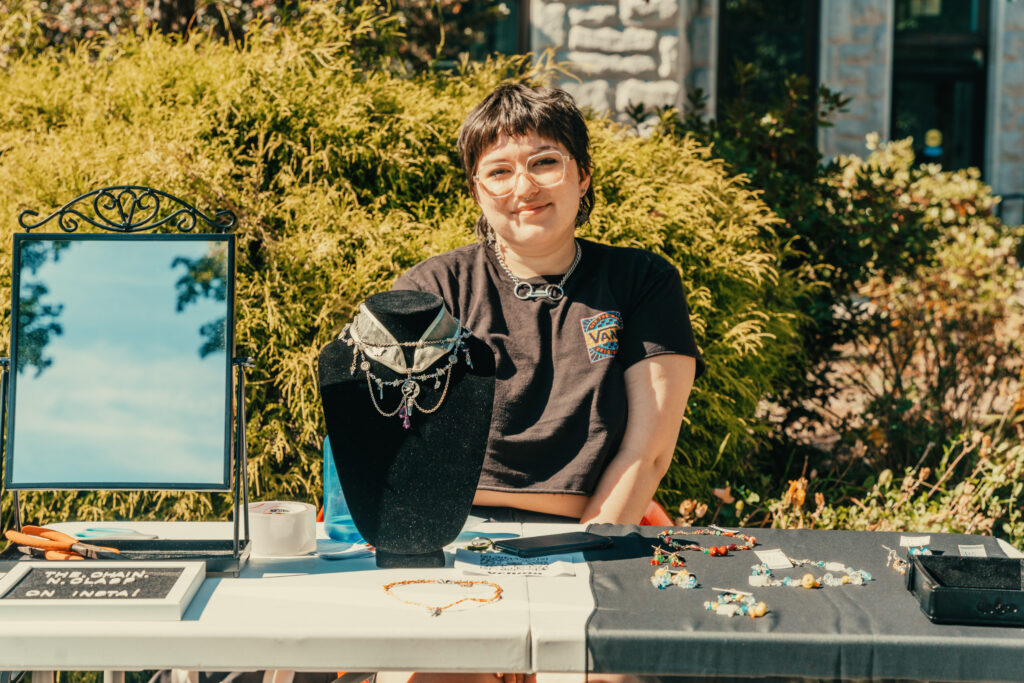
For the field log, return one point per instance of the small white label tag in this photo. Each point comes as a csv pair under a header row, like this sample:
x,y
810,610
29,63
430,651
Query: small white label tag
x,y
973,551
914,541
500,564
774,559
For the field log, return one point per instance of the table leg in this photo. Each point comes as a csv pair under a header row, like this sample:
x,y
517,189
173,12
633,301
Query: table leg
x,y
111,677
42,677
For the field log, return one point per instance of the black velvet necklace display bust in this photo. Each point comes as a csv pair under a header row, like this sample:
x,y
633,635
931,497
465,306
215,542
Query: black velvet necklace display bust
x,y
409,490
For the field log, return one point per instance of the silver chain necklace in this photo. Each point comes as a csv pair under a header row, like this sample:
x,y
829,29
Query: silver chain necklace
x,y
525,291
410,384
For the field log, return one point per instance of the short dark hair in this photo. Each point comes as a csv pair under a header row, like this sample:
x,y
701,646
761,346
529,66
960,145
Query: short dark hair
x,y
514,110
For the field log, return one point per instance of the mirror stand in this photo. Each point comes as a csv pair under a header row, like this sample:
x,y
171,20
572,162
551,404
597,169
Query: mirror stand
x,y
241,487
129,209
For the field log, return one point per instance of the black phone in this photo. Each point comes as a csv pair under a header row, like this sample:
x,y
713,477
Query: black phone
x,y
552,544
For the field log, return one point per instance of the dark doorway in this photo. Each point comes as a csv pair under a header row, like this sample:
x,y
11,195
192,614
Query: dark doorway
x,y
940,79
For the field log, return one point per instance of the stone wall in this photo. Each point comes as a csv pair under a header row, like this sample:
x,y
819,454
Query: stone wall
x,y
856,60
628,52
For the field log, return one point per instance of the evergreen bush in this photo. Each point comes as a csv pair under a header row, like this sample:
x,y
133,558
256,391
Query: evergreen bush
x,y
343,174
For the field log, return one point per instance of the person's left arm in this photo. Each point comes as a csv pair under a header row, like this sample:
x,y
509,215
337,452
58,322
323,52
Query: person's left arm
x,y
657,389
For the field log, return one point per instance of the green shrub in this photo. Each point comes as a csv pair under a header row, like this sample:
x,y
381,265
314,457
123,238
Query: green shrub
x,y
932,350
343,176
843,223
772,143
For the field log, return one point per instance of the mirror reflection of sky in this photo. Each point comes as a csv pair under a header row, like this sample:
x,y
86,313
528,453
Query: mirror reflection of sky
x,y
127,397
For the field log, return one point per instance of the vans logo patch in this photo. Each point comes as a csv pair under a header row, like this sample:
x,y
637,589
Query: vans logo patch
x,y
602,335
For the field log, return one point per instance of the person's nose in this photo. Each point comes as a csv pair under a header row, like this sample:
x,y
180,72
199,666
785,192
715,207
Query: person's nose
x,y
524,185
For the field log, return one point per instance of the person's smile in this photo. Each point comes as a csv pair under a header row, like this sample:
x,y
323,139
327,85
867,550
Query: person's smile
x,y
531,209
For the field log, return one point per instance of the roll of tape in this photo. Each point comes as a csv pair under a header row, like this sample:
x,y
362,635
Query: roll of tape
x,y
282,528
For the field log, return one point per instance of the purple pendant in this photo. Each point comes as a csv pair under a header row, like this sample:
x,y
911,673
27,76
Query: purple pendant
x,y
402,413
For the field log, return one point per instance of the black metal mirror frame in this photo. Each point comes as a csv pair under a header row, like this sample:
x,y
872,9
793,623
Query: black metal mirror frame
x,y
131,209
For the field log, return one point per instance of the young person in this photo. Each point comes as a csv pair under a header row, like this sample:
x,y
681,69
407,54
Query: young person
x,y
593,344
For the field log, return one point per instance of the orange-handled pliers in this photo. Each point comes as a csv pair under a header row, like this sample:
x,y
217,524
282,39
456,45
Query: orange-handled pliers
x,y
59,546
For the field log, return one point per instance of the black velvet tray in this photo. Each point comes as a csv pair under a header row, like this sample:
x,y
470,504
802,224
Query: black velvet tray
x,y
981,591
218,554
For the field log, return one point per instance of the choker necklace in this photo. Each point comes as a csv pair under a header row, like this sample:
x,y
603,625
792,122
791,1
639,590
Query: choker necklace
x,y
370,339
524,290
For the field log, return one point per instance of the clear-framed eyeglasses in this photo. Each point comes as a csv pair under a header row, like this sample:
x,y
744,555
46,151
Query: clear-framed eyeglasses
x,y
544,169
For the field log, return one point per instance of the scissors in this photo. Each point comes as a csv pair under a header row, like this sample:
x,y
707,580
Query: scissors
x,y
59,546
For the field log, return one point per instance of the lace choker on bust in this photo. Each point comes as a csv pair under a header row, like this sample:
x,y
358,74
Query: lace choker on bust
x,y
371,341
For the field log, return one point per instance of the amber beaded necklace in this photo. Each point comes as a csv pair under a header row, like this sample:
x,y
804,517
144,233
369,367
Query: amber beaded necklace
x,y
435,611
713,550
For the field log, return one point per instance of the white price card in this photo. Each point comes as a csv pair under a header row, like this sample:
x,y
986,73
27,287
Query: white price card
x,y
914,541
501,564
973,551
774,558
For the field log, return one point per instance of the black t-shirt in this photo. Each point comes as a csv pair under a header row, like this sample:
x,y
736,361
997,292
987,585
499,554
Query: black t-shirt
x,y
560,396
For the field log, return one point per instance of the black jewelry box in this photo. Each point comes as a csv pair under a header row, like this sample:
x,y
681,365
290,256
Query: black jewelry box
x,y
981,591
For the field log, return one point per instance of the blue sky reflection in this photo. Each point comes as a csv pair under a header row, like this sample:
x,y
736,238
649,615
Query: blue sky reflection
x,y
127,398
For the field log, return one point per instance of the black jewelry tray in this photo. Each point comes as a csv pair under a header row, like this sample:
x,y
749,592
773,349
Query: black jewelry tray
x,y
980,591
218,554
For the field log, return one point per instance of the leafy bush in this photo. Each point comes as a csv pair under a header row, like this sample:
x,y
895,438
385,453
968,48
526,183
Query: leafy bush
x,y
66,22
933,350
343,175
437,32
841,226
772,143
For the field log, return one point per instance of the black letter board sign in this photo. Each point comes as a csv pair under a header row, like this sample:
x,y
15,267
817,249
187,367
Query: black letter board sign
x,y
90,589
44,583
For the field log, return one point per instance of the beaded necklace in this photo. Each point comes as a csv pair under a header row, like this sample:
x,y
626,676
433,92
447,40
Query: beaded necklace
x,y
435,611
732,602
761,575
382,347
714,551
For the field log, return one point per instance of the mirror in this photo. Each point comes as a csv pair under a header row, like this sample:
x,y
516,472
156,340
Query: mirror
x,y
121,362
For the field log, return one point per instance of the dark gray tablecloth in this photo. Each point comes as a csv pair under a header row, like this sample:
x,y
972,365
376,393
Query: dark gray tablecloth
x,y
871,631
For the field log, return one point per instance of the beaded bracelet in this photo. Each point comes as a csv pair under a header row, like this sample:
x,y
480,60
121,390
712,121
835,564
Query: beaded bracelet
x,y
732,602
713,551
435,610
761,575
664,577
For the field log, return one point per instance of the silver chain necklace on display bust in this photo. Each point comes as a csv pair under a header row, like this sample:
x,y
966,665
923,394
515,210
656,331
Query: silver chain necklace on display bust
x,y
525,291
448,343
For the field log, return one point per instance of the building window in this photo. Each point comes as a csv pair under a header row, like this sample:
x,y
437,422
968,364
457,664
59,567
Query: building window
x,y
501,26
939,79
779,37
